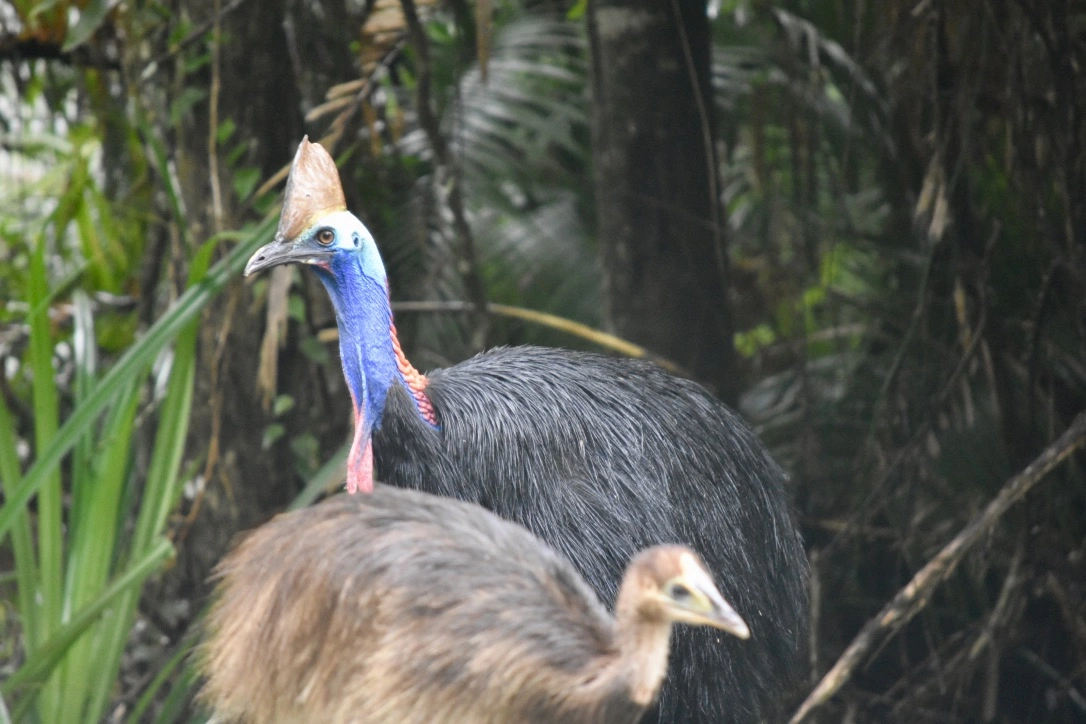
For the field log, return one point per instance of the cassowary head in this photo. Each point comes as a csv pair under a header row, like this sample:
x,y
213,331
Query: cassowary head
x,y
315,228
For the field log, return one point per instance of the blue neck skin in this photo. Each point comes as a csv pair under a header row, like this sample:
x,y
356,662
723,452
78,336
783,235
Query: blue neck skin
x,y
356,282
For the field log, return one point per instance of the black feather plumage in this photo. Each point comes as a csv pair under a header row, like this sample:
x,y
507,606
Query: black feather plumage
x,y
601,457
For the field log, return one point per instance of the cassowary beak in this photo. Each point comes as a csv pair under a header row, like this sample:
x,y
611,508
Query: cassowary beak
x,y
283,251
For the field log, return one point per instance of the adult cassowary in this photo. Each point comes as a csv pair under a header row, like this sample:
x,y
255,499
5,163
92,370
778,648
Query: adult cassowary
x,y
599,457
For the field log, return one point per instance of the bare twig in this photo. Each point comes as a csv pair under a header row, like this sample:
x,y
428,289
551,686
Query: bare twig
x,y
15,48
1064,683
914,596
275,328
711,166
482,36
915,686
196,34
1008,606
1074,616
469,267
213,120
815,586
543,319
1004,608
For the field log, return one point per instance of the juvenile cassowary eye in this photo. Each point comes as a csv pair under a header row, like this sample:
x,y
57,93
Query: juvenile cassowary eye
x,y
679,592
326,236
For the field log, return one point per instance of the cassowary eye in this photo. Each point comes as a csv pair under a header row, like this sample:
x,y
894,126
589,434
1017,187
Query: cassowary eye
x,y
326,236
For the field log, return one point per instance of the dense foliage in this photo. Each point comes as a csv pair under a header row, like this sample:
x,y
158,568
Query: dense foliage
x,y
903,185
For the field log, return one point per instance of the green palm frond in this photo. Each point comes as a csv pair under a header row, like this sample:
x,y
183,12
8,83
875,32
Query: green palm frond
x,y
521,144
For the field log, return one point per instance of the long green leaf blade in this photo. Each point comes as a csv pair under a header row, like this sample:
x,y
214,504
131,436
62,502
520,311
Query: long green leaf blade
x,y
37,668
22,538
94,542
161,490
183,311
330,474
46,414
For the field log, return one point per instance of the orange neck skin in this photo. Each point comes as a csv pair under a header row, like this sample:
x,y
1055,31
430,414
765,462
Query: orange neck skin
x,y
416,381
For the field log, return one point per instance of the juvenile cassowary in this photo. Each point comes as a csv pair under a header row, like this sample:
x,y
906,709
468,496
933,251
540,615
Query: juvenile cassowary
x,y
599,457
406,608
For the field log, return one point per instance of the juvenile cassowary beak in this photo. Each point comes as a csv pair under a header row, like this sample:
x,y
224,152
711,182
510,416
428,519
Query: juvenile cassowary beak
x,y
722,616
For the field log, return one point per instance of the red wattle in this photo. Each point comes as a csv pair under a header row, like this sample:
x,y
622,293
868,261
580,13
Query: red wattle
x,y
360,461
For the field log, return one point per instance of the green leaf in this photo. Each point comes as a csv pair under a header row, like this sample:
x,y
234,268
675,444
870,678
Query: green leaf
x,y
95,540
85,356
161,678
39,8
91,18
306,450
272,433
193,63
225,130
313,349
184,102
296,308
22,537
283,403
50,500
327,478
161,490
748,343
37,668
131,363
245,180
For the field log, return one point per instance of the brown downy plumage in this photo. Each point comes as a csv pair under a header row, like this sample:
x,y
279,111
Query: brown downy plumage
x,y
410,608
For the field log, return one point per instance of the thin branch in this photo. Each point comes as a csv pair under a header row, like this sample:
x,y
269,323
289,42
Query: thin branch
x,y
543,319
201,30
213,119
469,269
16,48
711,166
1048,670
916,594
815,608
483,32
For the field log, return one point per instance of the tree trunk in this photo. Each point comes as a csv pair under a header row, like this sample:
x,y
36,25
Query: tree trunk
x,y
244,483
657,191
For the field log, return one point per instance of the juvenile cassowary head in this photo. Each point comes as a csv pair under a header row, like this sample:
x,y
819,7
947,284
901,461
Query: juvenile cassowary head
x,y
673,583
315,228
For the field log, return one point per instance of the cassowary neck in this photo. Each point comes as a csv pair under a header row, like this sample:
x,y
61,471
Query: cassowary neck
x,y
643,640
369,348
635,668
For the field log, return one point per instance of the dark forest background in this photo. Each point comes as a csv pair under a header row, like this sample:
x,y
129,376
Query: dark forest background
x,y
860,222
